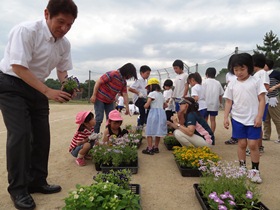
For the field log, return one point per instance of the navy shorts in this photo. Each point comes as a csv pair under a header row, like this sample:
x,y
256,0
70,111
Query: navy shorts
x,y
240,131
212,113
203,113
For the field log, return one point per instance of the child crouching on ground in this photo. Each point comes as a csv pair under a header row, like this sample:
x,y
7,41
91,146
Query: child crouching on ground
x,y
84,138
113,127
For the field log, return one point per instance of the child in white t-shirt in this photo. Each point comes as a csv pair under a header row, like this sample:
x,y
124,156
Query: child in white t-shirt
x,y
167,94
248,94
213,96
198,92
181,86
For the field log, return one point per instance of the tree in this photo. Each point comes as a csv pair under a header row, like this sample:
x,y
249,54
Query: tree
x,y
54,84
271,48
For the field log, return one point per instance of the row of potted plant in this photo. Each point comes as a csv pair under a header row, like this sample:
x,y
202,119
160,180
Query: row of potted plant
x,y
111,190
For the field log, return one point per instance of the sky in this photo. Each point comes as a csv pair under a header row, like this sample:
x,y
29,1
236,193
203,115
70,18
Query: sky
x,y
109,33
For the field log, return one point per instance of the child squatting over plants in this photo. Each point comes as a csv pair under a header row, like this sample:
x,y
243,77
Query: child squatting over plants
x,y
84,138
113,127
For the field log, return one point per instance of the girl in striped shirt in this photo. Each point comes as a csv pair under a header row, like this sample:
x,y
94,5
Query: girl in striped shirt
x,y
84,138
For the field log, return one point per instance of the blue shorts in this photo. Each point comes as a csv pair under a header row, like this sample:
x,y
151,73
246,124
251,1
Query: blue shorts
x,y
76,150
265,112
203,113
212,113
240,131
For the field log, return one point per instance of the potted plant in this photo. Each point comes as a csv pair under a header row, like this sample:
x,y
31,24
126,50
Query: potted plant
x,y
134,135
117,154
189,159
226,186
101,195
121,178
70,84
170,141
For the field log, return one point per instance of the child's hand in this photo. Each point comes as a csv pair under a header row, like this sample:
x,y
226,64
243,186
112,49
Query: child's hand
x,y
226,123
93,136
258,122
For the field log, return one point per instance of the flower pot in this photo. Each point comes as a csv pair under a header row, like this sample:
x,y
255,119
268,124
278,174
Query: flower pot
x,y
97,166
170,146
133,167
204,204
188,172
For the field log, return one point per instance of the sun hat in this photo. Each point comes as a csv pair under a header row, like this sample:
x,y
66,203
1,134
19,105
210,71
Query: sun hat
x,y
114,115
81,116
153,81
187,100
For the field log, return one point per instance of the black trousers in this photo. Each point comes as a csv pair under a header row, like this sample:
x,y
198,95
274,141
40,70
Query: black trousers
x,y
142,111
26,116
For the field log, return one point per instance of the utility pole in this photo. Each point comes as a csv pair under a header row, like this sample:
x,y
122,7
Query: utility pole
x,y
89,75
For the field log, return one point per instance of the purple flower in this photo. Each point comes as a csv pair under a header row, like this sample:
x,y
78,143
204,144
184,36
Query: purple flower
x,y
222,207
224,196
218,200
232,203
249,194
213,195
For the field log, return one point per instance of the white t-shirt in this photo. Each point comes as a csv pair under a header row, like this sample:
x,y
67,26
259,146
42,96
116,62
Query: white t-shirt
x,y
230,77
158,99
264,77
32,45
245,97
120,101
179,85
213,91
139,85
167,94
198,90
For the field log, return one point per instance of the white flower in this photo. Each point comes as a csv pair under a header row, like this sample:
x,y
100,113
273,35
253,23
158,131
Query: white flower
x,y
91,198
76,196
81,189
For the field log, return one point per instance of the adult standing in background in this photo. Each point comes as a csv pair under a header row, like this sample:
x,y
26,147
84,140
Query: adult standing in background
x,y
107,87
273,102
34,49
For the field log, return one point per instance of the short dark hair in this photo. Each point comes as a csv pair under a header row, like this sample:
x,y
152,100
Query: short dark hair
x,y
196,76
168,83
145,68
128,70
242,59
269,63
178,63
62,6
259,60
210,72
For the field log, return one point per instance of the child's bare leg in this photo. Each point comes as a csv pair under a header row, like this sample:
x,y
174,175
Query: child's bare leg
x,y
213,123
255,154
84,150
150,142
157,140
241,151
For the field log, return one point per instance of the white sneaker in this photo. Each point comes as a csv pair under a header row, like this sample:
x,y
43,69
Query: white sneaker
x,y
254,176
277,141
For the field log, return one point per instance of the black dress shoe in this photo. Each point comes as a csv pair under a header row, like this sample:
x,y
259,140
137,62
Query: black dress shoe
x,y
23,202
45,189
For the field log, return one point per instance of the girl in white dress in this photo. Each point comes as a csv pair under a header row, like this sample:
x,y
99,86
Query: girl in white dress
x,y
156,121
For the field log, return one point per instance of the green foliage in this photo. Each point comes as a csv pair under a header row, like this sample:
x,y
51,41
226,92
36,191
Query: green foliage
x,y
270,48
121,178
171,140
54,84
102,195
